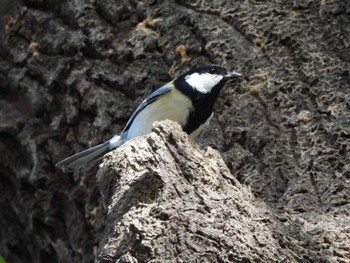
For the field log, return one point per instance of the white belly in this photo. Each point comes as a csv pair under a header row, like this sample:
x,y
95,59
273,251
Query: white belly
x,y
172,106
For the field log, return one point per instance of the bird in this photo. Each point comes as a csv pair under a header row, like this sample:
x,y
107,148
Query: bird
x,y
189,100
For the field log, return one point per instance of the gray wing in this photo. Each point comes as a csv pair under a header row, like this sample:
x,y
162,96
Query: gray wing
x,y
149,100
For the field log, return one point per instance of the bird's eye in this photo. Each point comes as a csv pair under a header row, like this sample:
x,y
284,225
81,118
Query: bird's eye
x,y
213,71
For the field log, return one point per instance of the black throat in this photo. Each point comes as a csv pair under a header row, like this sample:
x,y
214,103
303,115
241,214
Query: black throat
x,y
203,103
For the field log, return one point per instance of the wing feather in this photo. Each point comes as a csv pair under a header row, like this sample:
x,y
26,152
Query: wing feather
x,y
149,100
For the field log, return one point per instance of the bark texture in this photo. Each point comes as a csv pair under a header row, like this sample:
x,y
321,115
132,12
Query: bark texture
x,y
72,72
169,201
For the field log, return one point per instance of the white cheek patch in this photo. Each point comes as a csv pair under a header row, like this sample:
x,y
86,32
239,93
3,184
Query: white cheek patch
x,y
203,82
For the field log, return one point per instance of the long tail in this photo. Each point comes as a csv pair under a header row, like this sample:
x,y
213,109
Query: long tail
x,y
90,155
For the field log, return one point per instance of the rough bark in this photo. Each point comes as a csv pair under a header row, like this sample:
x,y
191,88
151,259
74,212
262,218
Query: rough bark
x,y
170,201
72,72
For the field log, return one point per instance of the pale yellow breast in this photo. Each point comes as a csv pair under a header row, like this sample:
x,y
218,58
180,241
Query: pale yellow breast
x,y
172,106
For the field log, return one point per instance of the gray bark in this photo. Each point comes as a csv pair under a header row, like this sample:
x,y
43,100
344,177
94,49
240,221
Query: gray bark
x,y
72,72
170,201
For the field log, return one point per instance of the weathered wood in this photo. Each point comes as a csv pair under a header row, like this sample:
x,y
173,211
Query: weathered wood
x,y
170,201
72,72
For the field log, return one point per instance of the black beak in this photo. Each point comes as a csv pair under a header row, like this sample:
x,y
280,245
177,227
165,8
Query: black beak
x,y
232,74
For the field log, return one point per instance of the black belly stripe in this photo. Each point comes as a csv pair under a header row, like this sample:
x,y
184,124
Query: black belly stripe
x,y
197,118
203,103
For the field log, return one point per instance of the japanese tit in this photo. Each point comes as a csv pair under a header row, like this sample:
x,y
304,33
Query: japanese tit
x,y
188,100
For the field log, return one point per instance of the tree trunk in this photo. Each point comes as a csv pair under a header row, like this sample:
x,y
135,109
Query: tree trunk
x,y
72,72
170,201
